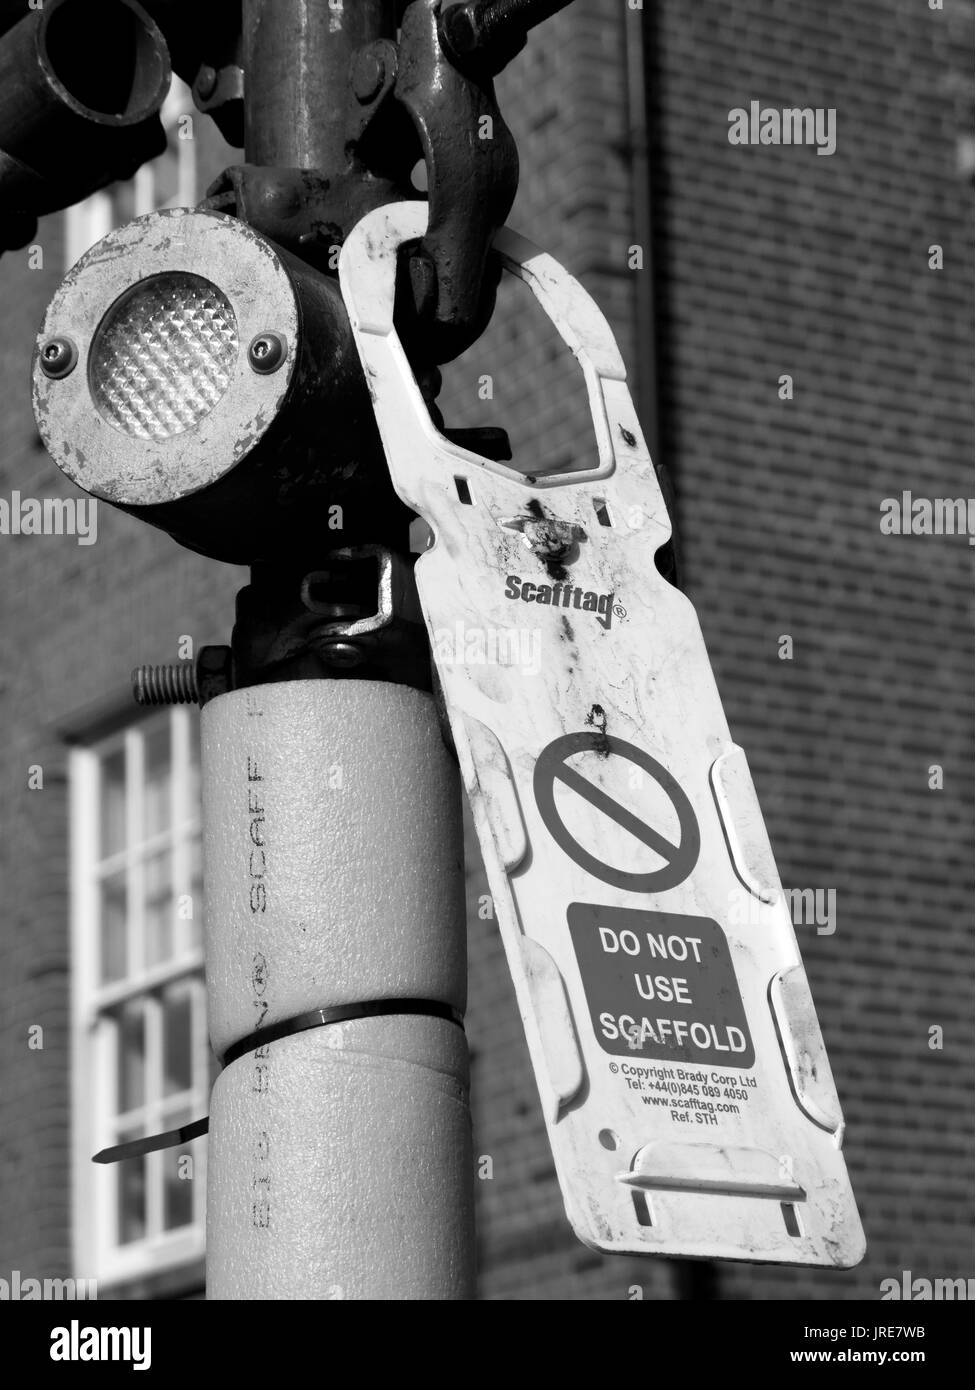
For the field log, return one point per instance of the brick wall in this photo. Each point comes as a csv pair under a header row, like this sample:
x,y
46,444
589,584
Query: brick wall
x,y
773,260
780,261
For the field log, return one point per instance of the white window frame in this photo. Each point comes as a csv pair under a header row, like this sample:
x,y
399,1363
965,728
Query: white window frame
x,y
93,1070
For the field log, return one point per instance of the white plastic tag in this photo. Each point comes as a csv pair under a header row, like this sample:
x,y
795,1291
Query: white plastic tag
x,y
684,1081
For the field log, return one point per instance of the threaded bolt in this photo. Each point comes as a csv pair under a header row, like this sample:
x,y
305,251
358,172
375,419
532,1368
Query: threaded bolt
x,y
497,16
165,685
482,25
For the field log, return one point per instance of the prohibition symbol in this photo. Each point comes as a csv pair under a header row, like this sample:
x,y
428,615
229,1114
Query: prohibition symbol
x,y
552,766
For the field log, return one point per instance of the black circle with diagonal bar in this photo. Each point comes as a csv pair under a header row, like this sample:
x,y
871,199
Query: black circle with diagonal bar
x,y
552,766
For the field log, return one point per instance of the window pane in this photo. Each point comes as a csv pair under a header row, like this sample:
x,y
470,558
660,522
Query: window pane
x,y
196,891
194,788
165,172
177,1039
112,813
131,1059
180,1166
158,774
155,1070
131,1192
123,203
113,916
159,909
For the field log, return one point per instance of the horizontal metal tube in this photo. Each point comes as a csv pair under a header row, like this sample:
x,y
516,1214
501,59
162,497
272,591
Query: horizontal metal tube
x,y
81,85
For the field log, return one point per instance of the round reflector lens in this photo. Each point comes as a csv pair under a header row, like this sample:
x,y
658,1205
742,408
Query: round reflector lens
x,y
163,355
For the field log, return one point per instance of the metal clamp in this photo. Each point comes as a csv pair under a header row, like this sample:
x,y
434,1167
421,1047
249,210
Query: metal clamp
x,y
360,616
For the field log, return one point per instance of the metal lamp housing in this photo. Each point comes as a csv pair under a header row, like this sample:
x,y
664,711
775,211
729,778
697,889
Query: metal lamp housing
x,y
210,386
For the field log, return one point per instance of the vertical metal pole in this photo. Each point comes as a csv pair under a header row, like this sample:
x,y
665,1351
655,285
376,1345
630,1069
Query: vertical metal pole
x,y
340,1161
296,57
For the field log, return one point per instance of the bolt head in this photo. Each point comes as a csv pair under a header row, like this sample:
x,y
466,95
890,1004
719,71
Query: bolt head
x,y
58,357
214,672
267,352
368,72
343,655
461,31
206,82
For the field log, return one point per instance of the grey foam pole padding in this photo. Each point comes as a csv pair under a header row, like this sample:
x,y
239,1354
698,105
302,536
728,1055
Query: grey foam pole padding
x,y
333,846
339,1160
350,1175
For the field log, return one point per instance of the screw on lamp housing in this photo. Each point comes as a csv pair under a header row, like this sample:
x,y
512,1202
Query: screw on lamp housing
x,y
59,356
267,352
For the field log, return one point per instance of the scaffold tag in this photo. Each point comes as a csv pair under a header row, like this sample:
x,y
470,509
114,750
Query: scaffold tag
x,y
683,1076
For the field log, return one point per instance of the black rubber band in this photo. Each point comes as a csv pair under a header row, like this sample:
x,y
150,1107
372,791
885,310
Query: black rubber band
x,y
339,1013
152,1143
314,1018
